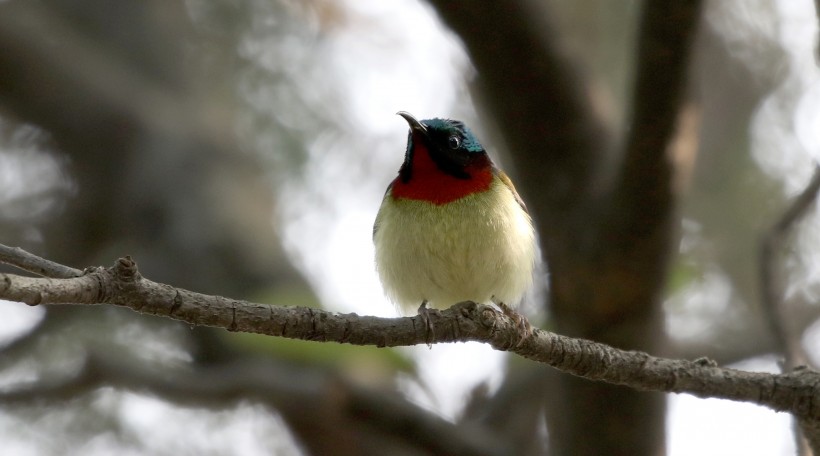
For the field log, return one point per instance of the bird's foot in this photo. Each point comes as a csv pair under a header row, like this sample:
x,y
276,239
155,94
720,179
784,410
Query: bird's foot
x,y
521,323
429,332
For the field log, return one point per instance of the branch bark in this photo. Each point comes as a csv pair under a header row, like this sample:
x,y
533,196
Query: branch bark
x,y
34,264
797,391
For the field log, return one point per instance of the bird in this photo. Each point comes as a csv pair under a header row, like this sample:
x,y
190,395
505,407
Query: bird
x,y
451,226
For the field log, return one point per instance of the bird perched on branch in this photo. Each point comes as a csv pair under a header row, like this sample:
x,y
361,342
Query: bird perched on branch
x,y
451,226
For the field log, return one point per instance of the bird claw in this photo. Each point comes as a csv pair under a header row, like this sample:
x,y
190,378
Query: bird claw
x,y
429,331
523,325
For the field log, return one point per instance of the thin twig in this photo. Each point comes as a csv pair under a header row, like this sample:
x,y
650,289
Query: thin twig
x,y
771,289
786,341
817,49
19,258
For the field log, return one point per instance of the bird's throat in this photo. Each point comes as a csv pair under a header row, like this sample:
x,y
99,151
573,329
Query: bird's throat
x,y
428,182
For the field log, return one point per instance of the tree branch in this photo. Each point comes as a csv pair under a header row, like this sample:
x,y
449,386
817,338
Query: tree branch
x,y
770,246
644,202
21,259
786,341
667,32
537,96
817,48
312,401
797,391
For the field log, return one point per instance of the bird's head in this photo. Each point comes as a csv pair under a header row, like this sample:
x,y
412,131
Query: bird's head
x,y
444,161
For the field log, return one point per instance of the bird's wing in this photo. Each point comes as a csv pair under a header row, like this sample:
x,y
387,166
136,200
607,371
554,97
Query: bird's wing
x,y
376,223
506,180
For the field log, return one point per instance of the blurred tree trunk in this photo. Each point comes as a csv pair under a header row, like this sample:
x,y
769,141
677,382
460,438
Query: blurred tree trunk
x,y
606,235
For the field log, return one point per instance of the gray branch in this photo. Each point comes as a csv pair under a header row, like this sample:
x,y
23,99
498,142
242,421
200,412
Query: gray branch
x,y
770,246
19,258
797,391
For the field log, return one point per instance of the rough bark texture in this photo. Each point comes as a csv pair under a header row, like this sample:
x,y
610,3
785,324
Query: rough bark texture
x,y
797,391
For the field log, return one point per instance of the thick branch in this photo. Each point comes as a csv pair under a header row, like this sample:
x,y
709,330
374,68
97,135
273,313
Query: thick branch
x,y
796,392
640,218
664,49
536,95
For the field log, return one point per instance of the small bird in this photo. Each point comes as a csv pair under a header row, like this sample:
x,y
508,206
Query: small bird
x,y
451,226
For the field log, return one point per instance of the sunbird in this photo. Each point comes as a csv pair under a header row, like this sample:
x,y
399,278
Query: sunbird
x,y
451,226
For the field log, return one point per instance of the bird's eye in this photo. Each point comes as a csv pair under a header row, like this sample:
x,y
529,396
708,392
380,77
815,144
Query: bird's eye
x,y
454,142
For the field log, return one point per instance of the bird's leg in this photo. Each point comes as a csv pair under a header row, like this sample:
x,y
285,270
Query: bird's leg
x,y
521,322
424,313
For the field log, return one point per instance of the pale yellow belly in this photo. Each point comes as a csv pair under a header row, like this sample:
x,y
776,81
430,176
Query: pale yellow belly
x,y
476,248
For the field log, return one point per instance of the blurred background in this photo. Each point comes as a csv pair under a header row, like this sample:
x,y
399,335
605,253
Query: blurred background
x,y
242,149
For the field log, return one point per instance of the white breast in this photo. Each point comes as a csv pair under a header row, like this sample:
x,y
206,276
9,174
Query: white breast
x,y
476,248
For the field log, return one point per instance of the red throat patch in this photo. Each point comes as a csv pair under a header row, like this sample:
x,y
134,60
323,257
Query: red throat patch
x,y
429,183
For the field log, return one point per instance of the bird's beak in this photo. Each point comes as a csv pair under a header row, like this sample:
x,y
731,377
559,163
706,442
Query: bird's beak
x,y
413,122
